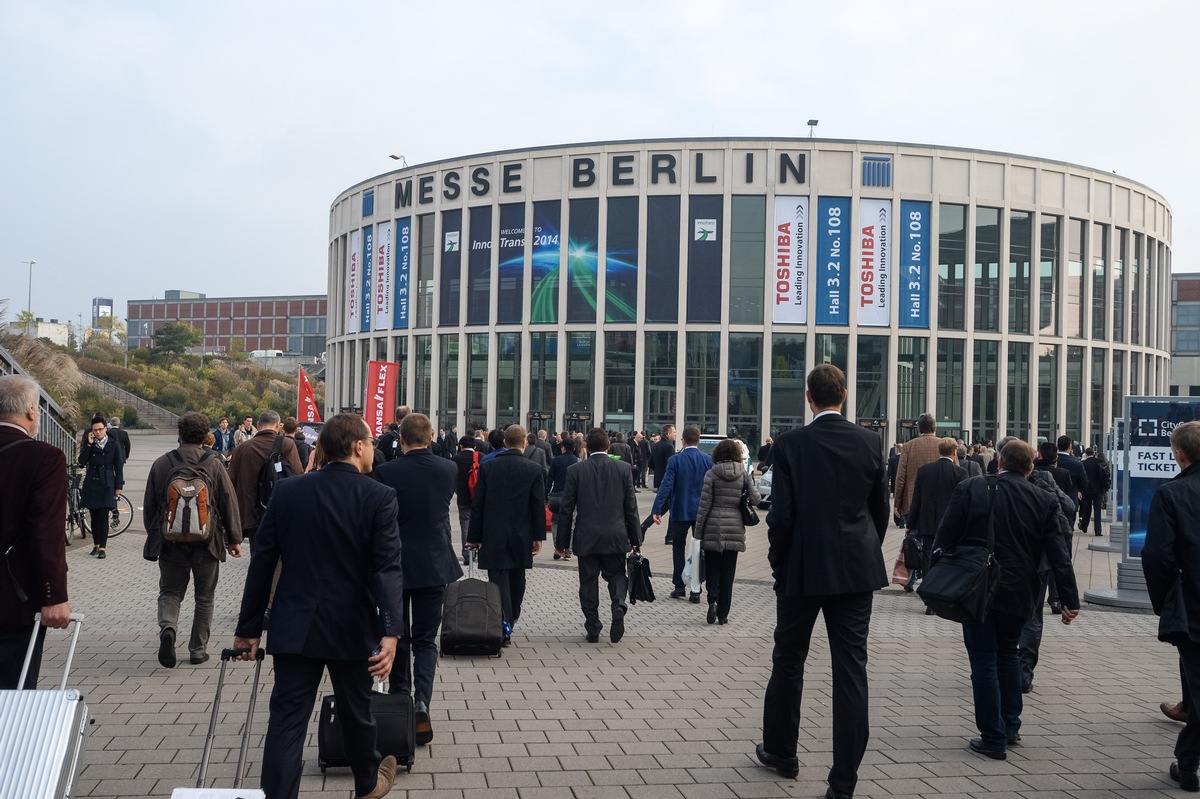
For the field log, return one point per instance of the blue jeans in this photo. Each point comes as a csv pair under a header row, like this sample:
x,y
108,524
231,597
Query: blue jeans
x,y
995,676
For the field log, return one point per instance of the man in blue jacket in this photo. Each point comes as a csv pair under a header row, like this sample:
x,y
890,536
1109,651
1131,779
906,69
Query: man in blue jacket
x,y
679,493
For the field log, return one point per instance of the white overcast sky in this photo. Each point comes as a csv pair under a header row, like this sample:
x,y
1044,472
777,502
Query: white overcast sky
x,y
198,145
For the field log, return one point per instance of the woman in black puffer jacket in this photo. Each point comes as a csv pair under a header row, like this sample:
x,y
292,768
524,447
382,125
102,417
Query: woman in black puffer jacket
x,y
719,524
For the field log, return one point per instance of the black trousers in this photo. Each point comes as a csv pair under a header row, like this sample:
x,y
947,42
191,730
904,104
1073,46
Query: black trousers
x,y
512,592
1187,745
99,518
416,654
678,530
1029,645
1089,510
719,571
847,622
14,643
591,568
642,470
297,679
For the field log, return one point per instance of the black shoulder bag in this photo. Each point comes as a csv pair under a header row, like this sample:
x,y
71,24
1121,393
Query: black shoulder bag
x,y
749,514
962,580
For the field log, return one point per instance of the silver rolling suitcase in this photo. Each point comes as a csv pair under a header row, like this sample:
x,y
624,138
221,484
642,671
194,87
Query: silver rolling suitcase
x,y
42,732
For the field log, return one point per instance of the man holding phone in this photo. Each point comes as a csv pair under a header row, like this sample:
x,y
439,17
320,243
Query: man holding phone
x,y
337,605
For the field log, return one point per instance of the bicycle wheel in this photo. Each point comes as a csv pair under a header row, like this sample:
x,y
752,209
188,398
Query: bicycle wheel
x,y
122,517
85,521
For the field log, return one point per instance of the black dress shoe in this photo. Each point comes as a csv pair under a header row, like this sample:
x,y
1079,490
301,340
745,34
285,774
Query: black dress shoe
x,y
593,638
678,593
1055,608
667,539
1175,712
94,551
784,766
423,725
977,745
711,618
928,611
617,629
1187,780
507,640
832,794
101,555
1014,739
694,599
166,648
723,620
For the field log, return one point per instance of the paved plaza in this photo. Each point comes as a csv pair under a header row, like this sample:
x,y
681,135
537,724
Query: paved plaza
x,y
671,712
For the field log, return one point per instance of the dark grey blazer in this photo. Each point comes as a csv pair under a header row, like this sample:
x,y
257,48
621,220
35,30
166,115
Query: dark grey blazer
x,y
508,512
931,495
424,485
600,492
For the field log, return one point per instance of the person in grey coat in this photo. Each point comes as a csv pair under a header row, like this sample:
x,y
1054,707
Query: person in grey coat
x,y
719,525
599,492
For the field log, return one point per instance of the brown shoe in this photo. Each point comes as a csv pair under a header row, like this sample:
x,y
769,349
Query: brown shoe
x,y
385,781
1175,712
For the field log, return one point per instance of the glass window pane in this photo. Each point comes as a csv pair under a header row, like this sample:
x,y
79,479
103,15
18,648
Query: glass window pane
x,y
1100,420
833,348
1118,384
1119,298
477,379
952,259
1099,281
948,392
508,379
448,376
747,253
745,388
400,346
581,376
1076,244
986,391
1018,390
426,249
987,269
1048,268
871,384
787,382
621,260
1074,421
912,378
662,357
543,373
620,371
662,259
702,381
1048,393
423,359
1135,297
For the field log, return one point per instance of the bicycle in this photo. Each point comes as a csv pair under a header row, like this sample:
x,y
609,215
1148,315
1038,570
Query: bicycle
x,y
78,516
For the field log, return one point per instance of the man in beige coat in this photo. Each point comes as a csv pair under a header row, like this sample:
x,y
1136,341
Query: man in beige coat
x,y
248,460
916,453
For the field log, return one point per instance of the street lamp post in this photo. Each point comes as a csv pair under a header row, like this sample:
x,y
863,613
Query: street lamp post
x,y
29,297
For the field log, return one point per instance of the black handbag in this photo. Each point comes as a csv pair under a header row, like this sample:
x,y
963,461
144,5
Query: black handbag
x,y
962,580
640,587
913,551
749,514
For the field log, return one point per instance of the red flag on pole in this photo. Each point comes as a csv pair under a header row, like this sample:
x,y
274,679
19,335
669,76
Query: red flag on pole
x,y
378,407
306,404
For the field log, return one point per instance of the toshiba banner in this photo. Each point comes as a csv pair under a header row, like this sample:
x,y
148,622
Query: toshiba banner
x,y
379,407
353,281
790,261
382,276
874,293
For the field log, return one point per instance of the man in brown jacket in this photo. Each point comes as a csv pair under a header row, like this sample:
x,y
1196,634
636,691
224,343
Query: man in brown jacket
x,y
248,460
177,562
916,453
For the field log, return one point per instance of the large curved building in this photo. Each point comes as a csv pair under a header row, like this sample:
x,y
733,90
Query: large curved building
x,y
635,283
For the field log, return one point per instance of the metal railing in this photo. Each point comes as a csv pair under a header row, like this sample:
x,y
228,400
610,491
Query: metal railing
x,y
54,428
148,412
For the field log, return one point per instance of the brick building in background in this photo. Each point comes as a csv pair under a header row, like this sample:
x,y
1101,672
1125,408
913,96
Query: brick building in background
x,y
293,324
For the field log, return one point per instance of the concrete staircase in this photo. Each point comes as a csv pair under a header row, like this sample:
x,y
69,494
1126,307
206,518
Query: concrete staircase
x,y
148,413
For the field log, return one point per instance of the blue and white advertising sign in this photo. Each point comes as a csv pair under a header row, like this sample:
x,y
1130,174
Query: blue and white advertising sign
x,y
1149,462
913,279
403,273
367,259
832,278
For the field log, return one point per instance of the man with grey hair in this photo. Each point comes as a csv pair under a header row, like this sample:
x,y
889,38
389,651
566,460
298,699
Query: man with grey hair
x,y
33,494
248,461
973,468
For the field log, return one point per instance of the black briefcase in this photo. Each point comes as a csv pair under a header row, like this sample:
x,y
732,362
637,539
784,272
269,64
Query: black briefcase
x,y
641,589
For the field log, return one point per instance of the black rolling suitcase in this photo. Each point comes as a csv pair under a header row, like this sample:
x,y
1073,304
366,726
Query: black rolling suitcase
x,y
472,618
395,730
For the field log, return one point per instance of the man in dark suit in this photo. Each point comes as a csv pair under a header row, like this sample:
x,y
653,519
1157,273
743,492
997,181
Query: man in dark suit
x,y
1097,488
338,605
828,517
1171,563
1048,461
931,496
643,459
1066,460
1026,529
600,491
679,492
508,521
33,495
114,430
661,452
619,448
424,484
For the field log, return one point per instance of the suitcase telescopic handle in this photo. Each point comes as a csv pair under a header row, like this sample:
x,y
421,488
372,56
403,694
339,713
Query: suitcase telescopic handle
x,y
77,618
232,654
226,656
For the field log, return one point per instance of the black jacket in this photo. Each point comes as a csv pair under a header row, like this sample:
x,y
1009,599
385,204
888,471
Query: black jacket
x,y
556,478
599,514
463,460
1027,526
1099,478
1171,557
424,485
659,455
121,436
1078,473
829,510
509,511
931,494
105,473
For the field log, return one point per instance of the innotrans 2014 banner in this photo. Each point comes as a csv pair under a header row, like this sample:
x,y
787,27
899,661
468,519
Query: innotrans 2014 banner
x,y
379,407
383,273
353,279
400,297
874,284
790,261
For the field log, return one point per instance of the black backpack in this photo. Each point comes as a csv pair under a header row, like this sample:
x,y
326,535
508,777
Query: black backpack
x,y
274,469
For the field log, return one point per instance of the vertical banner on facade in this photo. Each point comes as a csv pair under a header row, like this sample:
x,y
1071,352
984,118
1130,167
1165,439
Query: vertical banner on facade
x,y
832,274
450,285
1149,422
383,277
368,259
913,280
511,264
543,304
400,296
874,262
379,406
789,261
704,297
353,281
479,266
583,236
306,402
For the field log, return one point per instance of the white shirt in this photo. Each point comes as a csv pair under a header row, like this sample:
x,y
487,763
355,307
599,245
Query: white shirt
x,y
14,426
826,413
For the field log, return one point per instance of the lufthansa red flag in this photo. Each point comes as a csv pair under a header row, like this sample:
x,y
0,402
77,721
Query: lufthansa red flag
x,y
379,408
306,404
